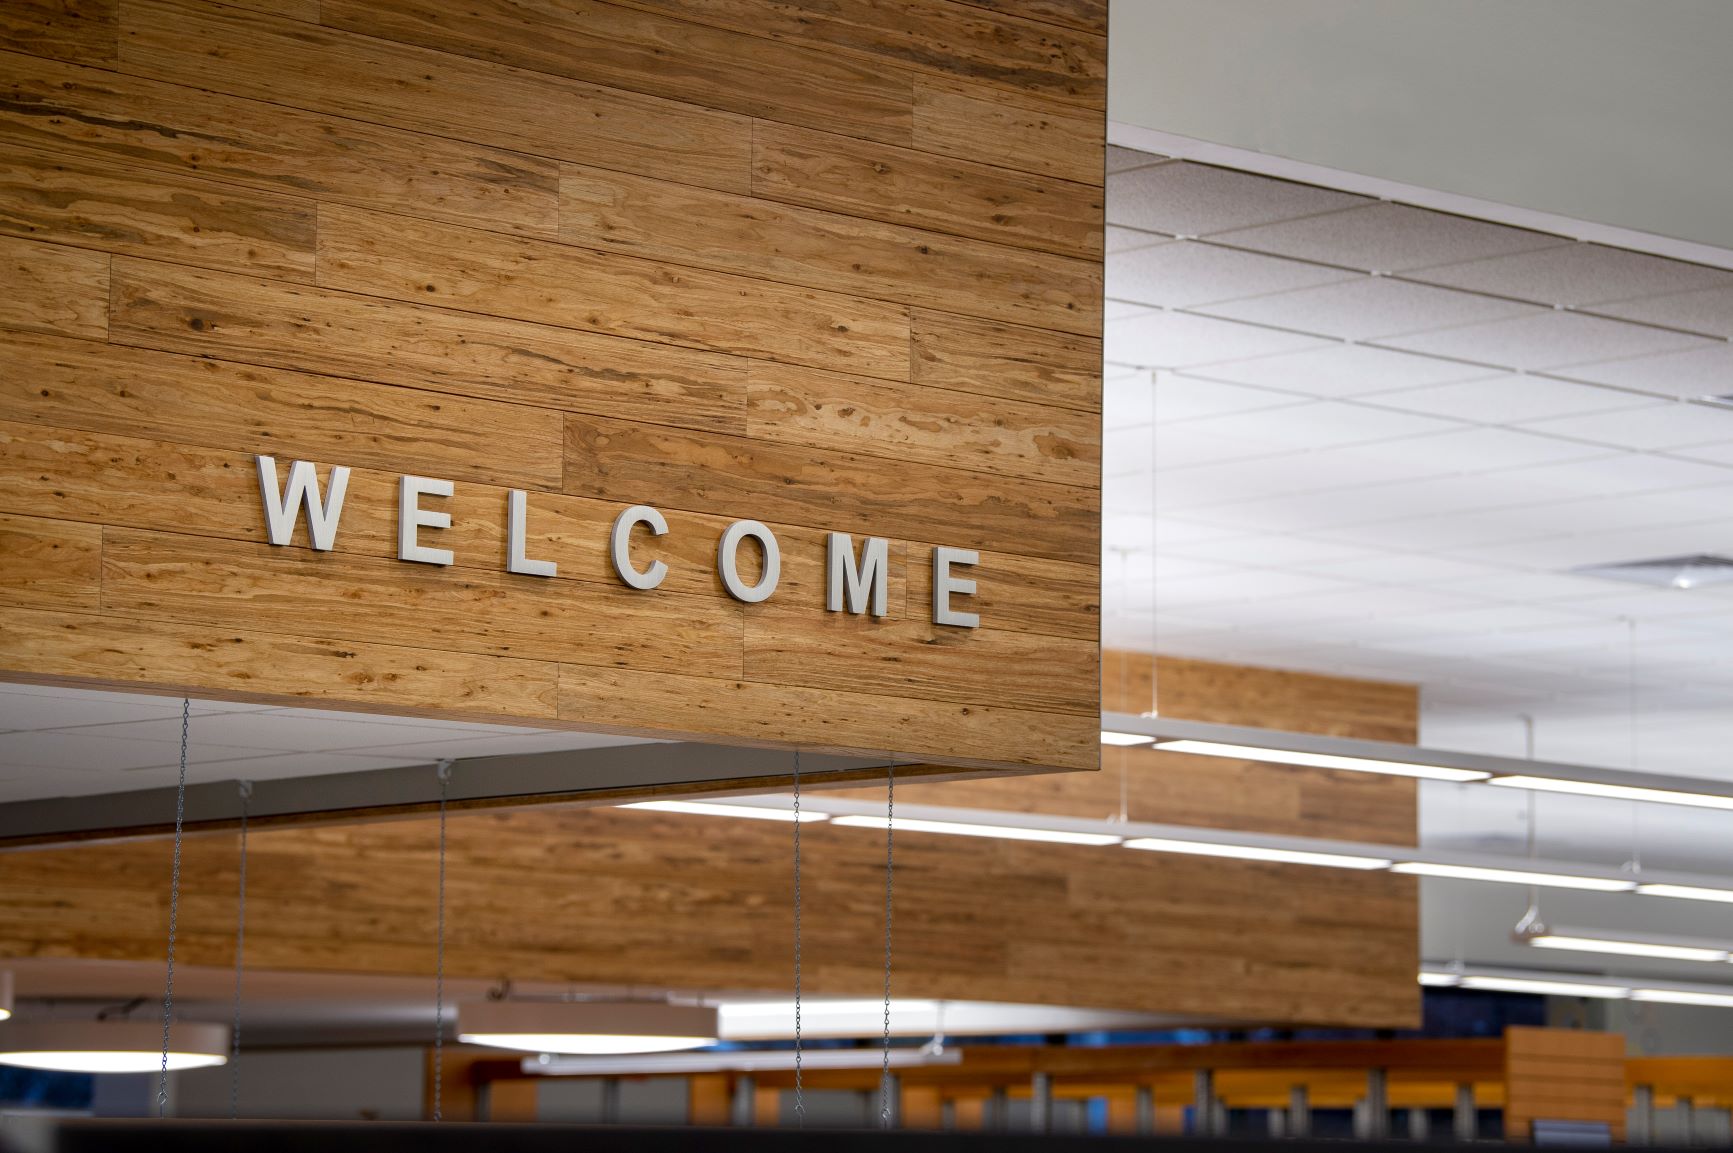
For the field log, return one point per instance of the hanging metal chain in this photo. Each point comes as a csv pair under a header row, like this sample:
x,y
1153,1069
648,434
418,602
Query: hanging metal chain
x,y
799,1088
246,791
444,771
890,834
174,906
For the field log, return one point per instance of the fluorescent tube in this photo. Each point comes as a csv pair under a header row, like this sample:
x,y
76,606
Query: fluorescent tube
x,y
962,829
1537,985
1321,760
1615,792
1256,853
1513,877
1687,892
1108,737
1627,948
1439,980
701,809
1683,997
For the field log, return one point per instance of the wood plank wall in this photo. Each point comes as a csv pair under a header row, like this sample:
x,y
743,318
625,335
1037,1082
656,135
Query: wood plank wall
x,y
609,895
826,265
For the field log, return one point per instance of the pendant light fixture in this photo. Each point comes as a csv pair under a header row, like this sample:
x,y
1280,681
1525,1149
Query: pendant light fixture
x,y
97,1046
589,1027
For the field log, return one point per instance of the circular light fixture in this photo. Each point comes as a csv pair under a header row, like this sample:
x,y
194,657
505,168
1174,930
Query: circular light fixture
x,y
110,1046
595,1027
5,994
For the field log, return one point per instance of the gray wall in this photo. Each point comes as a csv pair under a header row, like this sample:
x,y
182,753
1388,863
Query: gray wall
x,y
322,1084
1606,110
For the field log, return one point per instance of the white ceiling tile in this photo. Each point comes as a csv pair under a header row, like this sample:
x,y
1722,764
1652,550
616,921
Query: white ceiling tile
x,y
1508,398
1187,273
1121,159
1245,584
1406,569
1719,454
1368,307
1121,310
1342,370
1170,397
1708,311
1197,200
291,732
1655,426
1320,424
1485,449
1578,274
1181,340
1612,547
1539,587
519,745
1121,239
1546,340
1275,550
1382,237
1129,451
1625,472
77,751
1706,370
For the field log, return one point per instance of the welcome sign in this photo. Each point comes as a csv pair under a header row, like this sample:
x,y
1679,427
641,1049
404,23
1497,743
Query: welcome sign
x,y
855,582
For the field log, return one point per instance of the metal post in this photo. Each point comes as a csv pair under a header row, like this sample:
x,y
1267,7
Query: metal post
x,y
1465,1116
1041,1103
893,1088
743,1100
1642,1116
948,1114
1203,1103
1377,1104
1419,1125
998,1111
610,1100
1275,1122
1299,1111
1687,1112
1145,1110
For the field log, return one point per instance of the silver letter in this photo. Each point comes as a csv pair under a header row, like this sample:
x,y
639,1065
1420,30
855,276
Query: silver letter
x,y
839,566
727,561
303,488
412,517
944,584
620,546
517,519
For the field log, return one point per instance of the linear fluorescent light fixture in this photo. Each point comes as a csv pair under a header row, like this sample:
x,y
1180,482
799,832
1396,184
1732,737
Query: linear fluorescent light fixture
x,y
1256,853
969,829
1435,980
1614,792
1684,997
752,812
1124,740
1543,985
753,1010
1513,876
1542,936
591,1027
1686,892
739,1060
1320,760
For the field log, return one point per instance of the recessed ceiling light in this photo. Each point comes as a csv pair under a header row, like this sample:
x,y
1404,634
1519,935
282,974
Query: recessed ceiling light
x,y
1677,572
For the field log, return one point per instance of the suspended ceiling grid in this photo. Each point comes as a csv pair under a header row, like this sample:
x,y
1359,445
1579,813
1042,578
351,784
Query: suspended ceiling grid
x,y
1381,436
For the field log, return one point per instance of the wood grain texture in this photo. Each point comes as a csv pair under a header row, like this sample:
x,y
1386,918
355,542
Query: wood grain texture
x,y
237,318
730,233
609,293
116,209
54,289
50,563
342,74
1563,1075
735,259
648,52
904,186
972,122
86,31
94,113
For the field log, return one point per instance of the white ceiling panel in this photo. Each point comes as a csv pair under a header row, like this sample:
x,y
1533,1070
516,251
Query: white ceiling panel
x,y
1196,200
1720,454
1343,370
78,751
1182,340
1120,239
1276,550
1485,449
1706,370
1320,424
1187,273
1657,426
1544,340
1709,311
1625,472
1508,398
1369,307
1578,274
1383,237
1180,397
1125,159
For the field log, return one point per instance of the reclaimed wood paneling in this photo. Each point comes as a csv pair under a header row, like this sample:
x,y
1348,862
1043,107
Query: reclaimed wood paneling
x,y
829,266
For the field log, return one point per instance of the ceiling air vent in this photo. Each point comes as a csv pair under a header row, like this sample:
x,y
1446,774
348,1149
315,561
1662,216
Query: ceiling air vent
x,y
1676,572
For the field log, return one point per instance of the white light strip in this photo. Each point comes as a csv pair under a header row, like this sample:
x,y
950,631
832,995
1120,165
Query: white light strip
x,y
1683,997
701,809
1256,853
1320,760
1539,985
1626,948
1686,892
739,1060
1439,980
1109,737
1513,877
967,829
748,1010
1614,792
